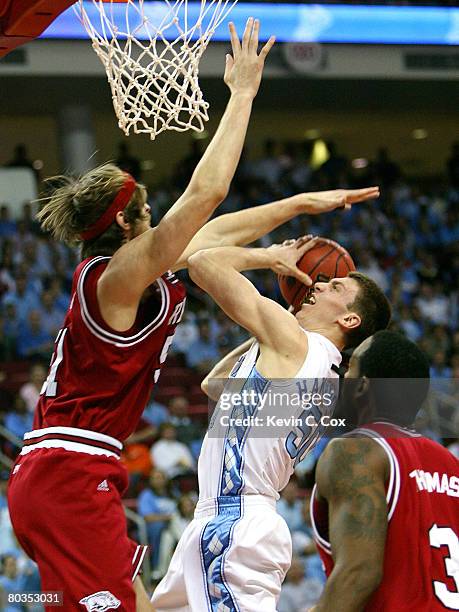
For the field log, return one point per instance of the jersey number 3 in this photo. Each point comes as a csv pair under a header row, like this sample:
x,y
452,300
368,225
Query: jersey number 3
x,y
445,536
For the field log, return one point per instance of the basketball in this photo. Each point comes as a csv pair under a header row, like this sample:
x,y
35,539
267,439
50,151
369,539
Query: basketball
x,y
326,260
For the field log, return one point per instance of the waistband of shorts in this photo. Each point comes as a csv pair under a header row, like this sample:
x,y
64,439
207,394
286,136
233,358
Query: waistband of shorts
x,y
226,503
72,439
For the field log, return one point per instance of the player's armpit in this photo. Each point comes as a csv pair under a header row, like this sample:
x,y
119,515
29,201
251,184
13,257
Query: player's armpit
x,y
351,476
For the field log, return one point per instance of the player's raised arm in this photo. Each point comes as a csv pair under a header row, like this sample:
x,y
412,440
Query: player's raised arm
x,y
245,226
351,477
142,260
218,272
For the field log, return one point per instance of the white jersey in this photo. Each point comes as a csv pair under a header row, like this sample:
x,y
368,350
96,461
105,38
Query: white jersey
x,y
255,441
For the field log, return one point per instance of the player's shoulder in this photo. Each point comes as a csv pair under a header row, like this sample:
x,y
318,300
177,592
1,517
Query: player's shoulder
x,y
88,265
348,457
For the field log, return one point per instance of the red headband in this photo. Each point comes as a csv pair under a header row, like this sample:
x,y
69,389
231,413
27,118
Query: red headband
x,y
119,203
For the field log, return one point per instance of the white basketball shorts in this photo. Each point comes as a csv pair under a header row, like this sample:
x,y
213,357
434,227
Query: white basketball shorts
x,y
232,557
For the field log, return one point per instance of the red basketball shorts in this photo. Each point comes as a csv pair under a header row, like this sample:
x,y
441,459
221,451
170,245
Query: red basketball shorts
x,y
67,514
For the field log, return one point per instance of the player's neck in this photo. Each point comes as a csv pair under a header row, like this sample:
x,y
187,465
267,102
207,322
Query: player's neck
x,y
333,335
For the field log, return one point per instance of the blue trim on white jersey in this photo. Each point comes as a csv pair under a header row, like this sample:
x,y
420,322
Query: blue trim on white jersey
x,y
231,474
216,540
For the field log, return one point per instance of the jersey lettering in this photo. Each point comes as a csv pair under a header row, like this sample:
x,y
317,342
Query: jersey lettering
x,y
50,385
176,316
163,356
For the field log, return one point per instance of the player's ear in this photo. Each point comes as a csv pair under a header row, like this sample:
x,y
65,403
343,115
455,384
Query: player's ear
x,y
120,219
362,387
350,320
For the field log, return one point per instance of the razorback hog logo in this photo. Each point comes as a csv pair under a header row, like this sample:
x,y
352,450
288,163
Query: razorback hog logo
x,y
101,601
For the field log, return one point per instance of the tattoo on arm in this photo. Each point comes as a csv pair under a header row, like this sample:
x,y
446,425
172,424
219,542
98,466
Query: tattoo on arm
x,y
351,477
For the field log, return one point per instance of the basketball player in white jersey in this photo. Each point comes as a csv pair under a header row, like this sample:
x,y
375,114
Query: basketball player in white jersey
x,y
235,553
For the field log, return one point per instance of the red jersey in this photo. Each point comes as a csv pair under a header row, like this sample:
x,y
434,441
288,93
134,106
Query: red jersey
x,y
101,379
421,562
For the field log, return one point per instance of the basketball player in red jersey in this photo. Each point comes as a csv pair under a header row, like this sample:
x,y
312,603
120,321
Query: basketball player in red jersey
x,y
385,506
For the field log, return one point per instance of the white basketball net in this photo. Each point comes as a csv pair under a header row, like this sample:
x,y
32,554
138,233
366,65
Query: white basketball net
x,y
151,55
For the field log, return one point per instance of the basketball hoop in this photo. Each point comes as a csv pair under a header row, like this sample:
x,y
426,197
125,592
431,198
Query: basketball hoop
x,y
151,54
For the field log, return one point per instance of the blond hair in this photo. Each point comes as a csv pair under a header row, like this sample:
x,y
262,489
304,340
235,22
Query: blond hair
x,y
75,204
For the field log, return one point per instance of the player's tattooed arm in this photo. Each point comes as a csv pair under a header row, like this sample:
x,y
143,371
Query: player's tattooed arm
x,y
245,226
351,476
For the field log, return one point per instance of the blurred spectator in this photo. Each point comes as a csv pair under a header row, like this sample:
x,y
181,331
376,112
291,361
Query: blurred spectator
x,y
298,593
180,520
335,165
30,391
169,455
155,413
11,582
34,342
203,352
19,420
439,369
186,429
23,297
61,298
186,333
289,505
51,315
128,162
369,266
433,306
268,168
7,225
7,273
156,506
408,323
8,543
136,458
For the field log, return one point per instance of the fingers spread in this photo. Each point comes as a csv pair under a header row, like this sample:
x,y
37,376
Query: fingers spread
x,y
235,44
267,47
253,44
306,246
247,34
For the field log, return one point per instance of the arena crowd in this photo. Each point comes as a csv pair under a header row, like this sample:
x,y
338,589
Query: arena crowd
x,y
408,242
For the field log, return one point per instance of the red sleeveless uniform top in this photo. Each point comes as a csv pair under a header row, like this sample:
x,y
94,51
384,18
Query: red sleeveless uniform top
x,y
421,562
100,379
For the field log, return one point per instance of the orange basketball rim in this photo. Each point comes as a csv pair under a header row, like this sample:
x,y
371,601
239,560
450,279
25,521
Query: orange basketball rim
x,y
21,21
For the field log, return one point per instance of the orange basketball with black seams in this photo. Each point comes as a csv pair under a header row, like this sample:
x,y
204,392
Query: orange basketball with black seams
x,y
326,260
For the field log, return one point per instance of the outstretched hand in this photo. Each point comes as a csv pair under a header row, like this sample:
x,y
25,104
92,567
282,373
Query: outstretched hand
x,y
244,68
325,201
285,257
